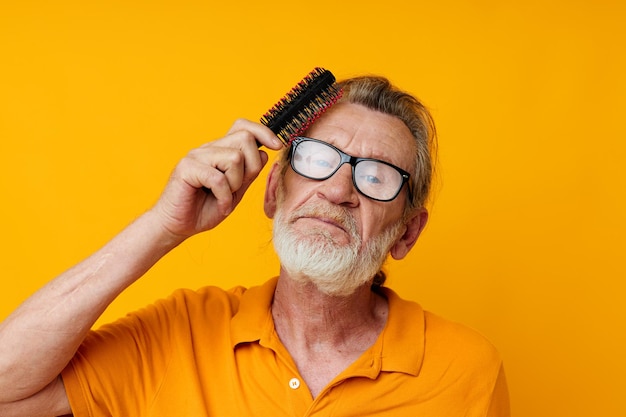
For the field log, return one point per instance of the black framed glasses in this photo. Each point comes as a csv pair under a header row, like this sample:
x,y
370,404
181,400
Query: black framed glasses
x,y
318,160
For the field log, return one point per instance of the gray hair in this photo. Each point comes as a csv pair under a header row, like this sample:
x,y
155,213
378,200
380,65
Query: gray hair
x,y
377,93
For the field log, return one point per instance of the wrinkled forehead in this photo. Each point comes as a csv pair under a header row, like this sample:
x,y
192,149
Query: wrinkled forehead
x,y
366,133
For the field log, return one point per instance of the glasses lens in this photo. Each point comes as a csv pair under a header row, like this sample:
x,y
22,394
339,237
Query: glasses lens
x,y
377,180
315,159
319,161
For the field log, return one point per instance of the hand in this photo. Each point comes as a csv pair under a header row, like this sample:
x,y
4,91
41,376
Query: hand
x,y
211,180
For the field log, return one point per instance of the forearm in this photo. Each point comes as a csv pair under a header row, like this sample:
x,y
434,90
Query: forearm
x,y
41,336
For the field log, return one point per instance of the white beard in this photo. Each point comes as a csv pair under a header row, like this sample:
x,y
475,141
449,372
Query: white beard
x,y
313,256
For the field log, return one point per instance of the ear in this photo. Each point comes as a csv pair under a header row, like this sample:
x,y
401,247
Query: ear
x,y
269,202
414,227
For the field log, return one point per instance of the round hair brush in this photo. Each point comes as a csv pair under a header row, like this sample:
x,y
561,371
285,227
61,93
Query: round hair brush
x,y
302,105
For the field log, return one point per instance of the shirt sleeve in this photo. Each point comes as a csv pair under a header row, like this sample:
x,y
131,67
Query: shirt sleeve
x,y
122,368
118,368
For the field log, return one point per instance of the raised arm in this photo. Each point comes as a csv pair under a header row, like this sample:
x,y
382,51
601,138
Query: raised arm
x,y
39,338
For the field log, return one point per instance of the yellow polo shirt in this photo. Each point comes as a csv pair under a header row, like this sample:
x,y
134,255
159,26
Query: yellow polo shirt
x,y
215,353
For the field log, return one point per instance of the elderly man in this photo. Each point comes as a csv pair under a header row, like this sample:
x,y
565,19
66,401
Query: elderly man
x,y
323,338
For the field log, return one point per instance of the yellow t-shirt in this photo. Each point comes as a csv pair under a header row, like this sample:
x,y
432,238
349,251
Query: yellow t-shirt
x,y
215,353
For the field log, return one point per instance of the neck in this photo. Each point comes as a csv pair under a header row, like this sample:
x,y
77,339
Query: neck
x,y
325,334
307,317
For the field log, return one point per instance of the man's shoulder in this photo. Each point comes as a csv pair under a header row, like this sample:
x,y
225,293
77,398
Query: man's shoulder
x,y
463,342
443,336
202,301
207,293
213,299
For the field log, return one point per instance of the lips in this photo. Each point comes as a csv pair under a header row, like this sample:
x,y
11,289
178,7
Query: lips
x,y
333,222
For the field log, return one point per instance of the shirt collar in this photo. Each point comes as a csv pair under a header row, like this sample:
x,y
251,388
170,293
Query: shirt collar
x,y
253,319
399,348
403,338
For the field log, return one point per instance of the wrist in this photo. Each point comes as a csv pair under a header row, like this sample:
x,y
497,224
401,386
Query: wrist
x,y
156,230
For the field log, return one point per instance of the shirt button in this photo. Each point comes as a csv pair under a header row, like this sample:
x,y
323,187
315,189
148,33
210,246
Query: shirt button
x,y
294,383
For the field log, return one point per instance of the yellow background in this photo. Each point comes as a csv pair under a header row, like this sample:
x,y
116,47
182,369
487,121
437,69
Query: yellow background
x,y
526,241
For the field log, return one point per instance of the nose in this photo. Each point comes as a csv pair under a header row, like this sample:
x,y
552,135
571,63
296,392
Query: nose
x,y
339,189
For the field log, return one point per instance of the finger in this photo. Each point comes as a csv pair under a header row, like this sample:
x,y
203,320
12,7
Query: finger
x,y
212,180
239,168
262,134
238,148
219,186
238,195
230,162
254,158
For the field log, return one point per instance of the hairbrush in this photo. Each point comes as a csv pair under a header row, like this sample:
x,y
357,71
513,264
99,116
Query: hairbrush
x,y
302,105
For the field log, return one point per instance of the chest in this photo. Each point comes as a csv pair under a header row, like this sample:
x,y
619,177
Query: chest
x,y
258,381
318,370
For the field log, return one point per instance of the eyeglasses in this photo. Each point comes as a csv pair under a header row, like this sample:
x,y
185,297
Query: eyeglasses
x,y
375,179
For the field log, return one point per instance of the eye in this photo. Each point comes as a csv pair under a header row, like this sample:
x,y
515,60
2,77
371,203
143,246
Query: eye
x,y
372,173
321,163
371,179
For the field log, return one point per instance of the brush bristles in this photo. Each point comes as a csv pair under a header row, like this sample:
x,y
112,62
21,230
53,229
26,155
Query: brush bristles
x,y
301,106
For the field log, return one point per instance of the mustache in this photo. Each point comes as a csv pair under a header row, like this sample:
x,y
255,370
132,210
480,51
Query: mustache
x,y
336,214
